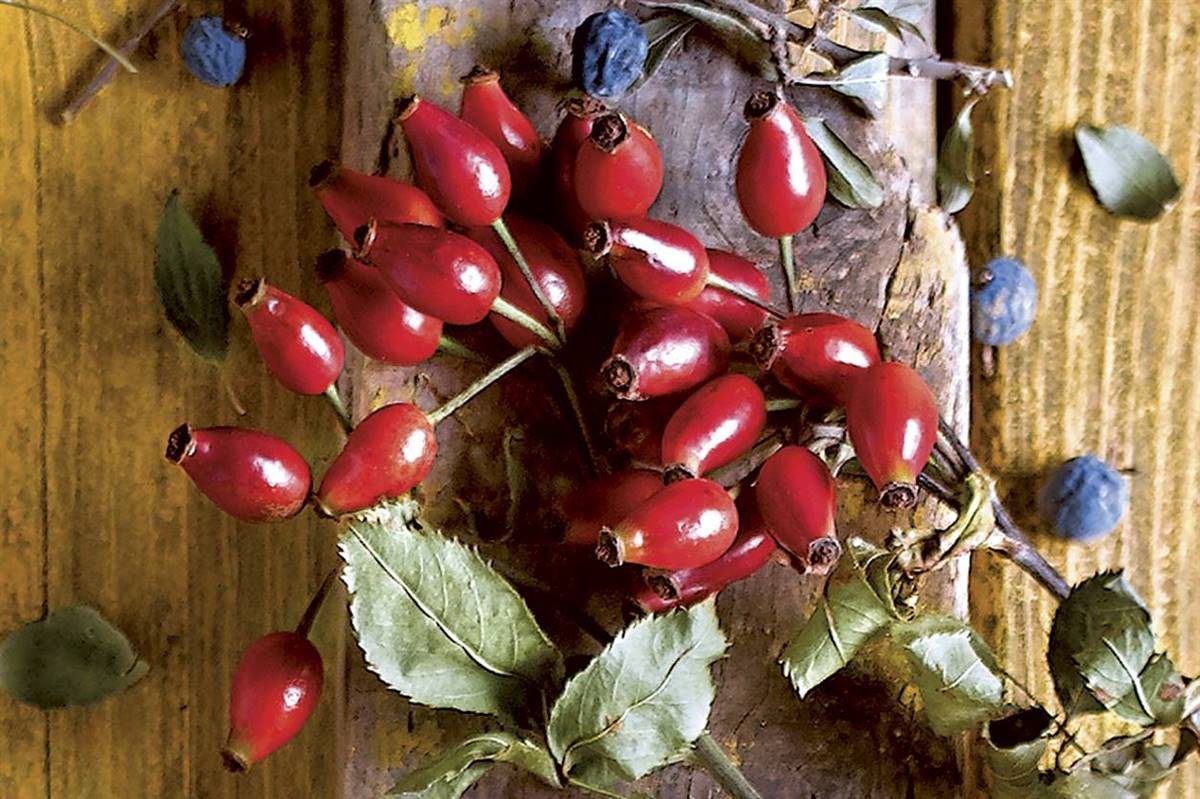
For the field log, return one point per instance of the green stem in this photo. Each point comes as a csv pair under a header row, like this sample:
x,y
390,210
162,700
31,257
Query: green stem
x,y
500,370
581,422
515,315
718,282
112,52
515,251
789,270
717,763
314,605
459,350
784,404
339,407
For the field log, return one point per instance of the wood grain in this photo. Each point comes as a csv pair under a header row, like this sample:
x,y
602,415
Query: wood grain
x,y
1112,364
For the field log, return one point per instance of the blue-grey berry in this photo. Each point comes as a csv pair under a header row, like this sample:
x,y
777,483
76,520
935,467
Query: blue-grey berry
x,y
1084,498
213,51
1003,302
609,50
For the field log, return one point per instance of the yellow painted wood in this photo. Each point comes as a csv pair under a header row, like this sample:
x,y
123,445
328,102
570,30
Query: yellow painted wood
x,y
1112,365
92,380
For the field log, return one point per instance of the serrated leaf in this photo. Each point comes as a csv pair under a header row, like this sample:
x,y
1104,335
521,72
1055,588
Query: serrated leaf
x,y
1015,773
437,623
641,702
739,35
865,81
1130,176
954,670
956,162
664,33
459,768
1130,769
71,657
848,178
190,283
1157,695
854,608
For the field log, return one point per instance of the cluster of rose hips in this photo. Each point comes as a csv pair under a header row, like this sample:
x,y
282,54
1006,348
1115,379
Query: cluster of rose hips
x,y
409,273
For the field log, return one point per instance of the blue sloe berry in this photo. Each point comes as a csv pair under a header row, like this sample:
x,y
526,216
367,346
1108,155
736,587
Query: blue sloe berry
x,y
609,50
1003,302
214,52
1084,498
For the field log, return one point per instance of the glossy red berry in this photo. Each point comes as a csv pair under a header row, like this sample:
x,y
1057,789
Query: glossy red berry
x,y
605,502
463,171
717,424
636,428
892,419
385,456
797,497
438,272
555,265
656,260
687,524
250,475
489,109
663,350
353,199
275,690
298,345
372,316
740,319
619,170
780,178
816,355
572,132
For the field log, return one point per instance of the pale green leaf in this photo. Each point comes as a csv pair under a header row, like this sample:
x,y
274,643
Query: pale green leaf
x,y
665,33
865,81
848,178
739,35
460,767
956,162
437,623
190,283
911,11
851,612
641,702
1015,744
1130,177
71,657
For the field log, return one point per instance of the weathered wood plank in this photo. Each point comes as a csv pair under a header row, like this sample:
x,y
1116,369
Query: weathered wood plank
x,y
1113,363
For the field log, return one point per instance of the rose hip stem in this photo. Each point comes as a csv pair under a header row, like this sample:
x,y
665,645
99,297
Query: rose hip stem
x,y
315,604
339,407
716,281
469,393
515,315
784,404
789,271
459,350
515,251
714,760
581,421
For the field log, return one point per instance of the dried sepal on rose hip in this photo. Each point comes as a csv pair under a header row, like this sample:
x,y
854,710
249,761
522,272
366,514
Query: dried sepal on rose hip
x,y
299,345
741,319
816,355
716,425
658,261
352,199
662,350
687,524
486,106
618,170
797,497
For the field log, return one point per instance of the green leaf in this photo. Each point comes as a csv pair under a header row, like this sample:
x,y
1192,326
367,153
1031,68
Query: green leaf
x,y
849,178
855,607
71,657
665,32
190,283
864,80
458,769
1158,697
954,670
910,11
1123,768
738,34
1130,177
1015,745
956,162
641,702
437,623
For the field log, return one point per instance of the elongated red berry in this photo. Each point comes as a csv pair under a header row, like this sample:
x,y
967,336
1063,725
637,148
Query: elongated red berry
x,y
619,170
489,109
275,690
687,524
298,345
816,355
353,199
385,456
892,419
572,132
372,316
555,266
463,171
780,179
656,260
605,502
250,475
717,424
740,319
797,497
438,272
663,350
636,428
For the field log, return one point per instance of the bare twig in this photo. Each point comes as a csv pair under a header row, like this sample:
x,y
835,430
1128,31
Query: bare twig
x,y
978,79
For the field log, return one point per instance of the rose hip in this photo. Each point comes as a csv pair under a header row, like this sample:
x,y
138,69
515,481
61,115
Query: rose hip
x,y
717,424
740,319
816,355
636,428
564,149
486,106
797,497
656,260
605,502
298,345
663,350
687,524
353,199
250,475
619,170
892,419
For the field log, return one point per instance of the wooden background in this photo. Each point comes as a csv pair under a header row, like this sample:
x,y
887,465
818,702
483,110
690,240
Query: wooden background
x,y
93,381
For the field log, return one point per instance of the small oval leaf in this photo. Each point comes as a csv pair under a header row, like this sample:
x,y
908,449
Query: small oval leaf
x,y
956,162
1130,177
865,81
740,35
849,178
190,283
665,33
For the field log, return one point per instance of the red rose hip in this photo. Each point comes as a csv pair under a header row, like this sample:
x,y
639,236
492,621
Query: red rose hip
x,y
605,502
353,199
298,345
488,108
663,350
687,524
572,133
717,424
250,475
656,260
740,318
797,497
636,428
892,419
816,355
619,170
